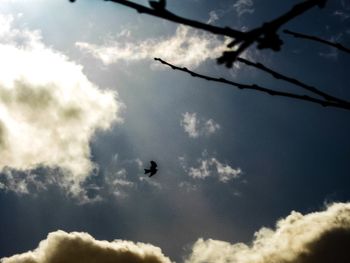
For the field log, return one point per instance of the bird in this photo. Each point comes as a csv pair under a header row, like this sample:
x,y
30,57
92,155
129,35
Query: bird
x,y
158,5
152,170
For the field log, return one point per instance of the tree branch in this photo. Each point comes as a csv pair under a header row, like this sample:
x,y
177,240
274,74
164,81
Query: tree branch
x,y
258,88
165,14
265,36
317,39
293,81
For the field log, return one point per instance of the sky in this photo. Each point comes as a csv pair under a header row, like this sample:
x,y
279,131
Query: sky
x,y
243,176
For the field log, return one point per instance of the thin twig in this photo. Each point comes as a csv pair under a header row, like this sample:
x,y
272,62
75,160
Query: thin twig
x,y
317,39
293,81
258,88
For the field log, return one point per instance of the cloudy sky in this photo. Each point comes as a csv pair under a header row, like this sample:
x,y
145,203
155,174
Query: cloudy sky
x,y
243,176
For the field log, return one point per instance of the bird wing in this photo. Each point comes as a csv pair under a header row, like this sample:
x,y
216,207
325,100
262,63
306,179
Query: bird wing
x,y
153,172
153,165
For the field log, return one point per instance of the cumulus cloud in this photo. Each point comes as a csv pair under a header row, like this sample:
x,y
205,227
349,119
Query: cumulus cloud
x,y
243,7
75,247
49,110
196,127
321,237
187,47
210,166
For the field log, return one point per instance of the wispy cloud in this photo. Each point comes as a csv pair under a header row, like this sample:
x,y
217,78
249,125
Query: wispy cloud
x,y
49,110
118,183
332,52
341,14
119,179
187,47
244,7
210,166
196,127
213,16
345,4
122,177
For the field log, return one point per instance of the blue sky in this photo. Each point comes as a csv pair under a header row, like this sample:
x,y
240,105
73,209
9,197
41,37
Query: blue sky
x,y
84,108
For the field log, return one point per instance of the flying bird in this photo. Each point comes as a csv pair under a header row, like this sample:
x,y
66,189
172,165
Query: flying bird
x,y
152,170
158,5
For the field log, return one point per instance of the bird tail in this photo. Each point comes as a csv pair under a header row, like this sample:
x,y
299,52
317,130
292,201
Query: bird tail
x,y
147,171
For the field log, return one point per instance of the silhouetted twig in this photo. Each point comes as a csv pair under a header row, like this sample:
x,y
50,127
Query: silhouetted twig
x,y
293,81
265,36
258,88
317,39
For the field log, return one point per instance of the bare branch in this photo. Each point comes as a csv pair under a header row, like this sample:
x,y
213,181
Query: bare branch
x,y
265,36
317,39
165,14
293,81
258,88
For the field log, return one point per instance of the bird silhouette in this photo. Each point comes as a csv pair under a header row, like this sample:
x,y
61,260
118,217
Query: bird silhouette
x,y
152,170
158,5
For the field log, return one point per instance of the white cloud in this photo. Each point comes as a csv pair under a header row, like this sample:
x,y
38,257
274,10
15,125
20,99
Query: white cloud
x,y
213,16
118,183
244,6
321,237
225,171
202,171
196,127
210,126
121,179
187,47
190,123
81,247
332,53
49,110
187,186
210,166
341,14
29,182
